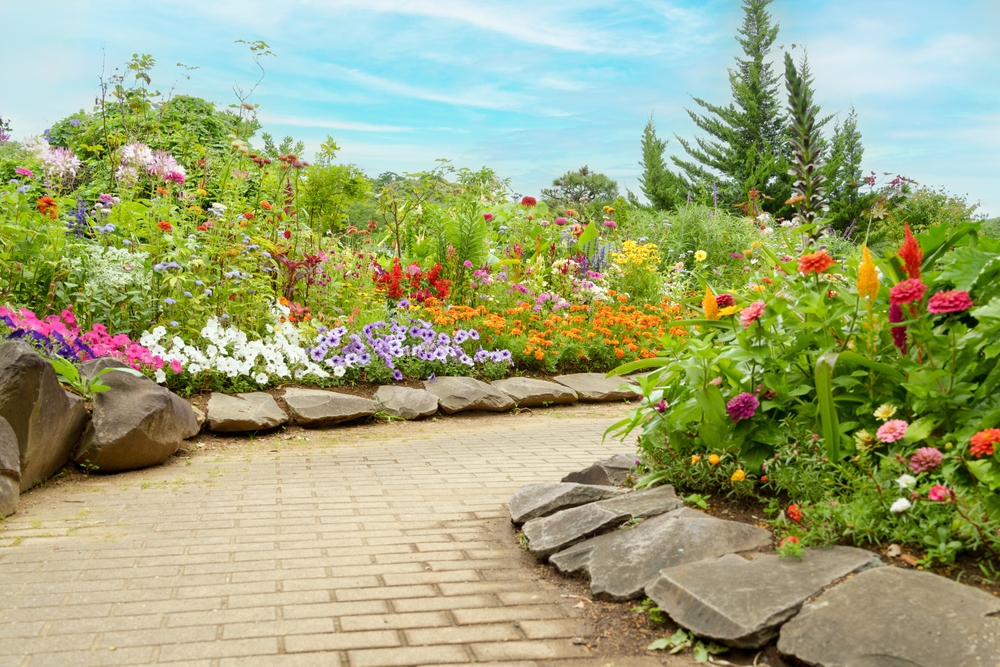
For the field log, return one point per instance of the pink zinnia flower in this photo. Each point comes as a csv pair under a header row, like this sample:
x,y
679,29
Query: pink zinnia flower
x,y
892,430
908,291
938,493
725,300
487,216
750,314
23,171
744,406
610,223
952,301
528,201
561,221
925,459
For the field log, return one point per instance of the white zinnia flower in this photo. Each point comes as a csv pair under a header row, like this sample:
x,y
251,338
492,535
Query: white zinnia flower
x,y
900,506
906,481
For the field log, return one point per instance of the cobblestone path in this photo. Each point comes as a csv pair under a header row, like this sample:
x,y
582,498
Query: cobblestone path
x,y
356,547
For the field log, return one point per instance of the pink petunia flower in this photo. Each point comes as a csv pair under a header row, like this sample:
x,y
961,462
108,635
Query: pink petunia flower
x,y
892,430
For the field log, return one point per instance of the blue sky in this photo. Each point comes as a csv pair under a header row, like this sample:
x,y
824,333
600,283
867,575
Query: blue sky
x,y
530,89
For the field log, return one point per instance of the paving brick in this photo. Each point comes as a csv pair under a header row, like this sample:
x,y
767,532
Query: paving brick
x,y
338,641
408,655
529,650
229,648
444,602
427,619
462,634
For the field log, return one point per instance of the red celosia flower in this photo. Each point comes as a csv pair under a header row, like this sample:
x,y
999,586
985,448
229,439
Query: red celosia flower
x,y
47,206
910,253
952,301
908,291
982,442
287,234
794,513
815,262
165,226
898,333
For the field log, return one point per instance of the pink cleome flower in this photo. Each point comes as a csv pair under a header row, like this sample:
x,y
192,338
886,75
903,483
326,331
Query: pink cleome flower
x,y
892,430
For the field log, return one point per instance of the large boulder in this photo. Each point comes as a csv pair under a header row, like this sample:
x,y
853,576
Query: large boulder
x,y
10,470
315,408
240,413
405,402
597,388
623,562
47,421
134,424
743,603
188,424
534,500
611,471
547,535
896,618
530,392
458,394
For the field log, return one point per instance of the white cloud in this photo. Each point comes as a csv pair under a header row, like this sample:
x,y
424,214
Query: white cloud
x,y
350,126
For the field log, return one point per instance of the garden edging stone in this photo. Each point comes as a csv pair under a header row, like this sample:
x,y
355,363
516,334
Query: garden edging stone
x,y
597,387
533,393
458,394
313,408
547,535
612,471
535,500
45,418
10,470
406,402
239,413
743,603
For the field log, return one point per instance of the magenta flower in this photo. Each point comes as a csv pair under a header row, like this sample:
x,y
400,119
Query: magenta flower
x,y
892,430
744,406
487,216
24,171
750,314
952,301
938,493
925,459
661,407
561,221
898,333
610,223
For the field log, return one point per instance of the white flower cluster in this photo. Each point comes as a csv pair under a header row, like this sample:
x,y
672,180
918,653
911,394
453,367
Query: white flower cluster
x,y
111,271
228,350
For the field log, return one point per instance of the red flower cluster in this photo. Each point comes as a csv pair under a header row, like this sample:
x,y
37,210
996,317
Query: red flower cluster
x,y
951,301
982,442
908,291
528,202
910,253
47,206
165,226
815,262
794,513
421,284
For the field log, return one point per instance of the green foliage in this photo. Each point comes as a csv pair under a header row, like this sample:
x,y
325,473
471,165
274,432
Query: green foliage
x,y
663,188
83,385
579,187
744,148
844,176
682,641
807,149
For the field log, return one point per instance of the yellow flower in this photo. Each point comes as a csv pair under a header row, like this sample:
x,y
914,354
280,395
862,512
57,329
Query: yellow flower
x,y
759,288
714,459
865,441
710,305
727,311
867,277
609,210
738,476
756,244
700,256
695,458
885,412
201,192
195,209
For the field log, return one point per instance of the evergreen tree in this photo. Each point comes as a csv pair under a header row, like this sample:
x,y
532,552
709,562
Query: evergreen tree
x,y
663,188
843,174
807,164
581,186
745,147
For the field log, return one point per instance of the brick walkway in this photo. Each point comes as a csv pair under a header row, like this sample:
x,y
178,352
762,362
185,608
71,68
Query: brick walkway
x,y
362,547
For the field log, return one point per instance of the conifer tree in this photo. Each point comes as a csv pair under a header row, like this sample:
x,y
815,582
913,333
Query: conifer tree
x,y
843,173
745,146
663,188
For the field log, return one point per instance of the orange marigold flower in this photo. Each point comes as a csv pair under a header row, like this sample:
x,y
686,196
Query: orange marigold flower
x,y
249,215
539,355
982,442
815,262
619,352
794,513
266,205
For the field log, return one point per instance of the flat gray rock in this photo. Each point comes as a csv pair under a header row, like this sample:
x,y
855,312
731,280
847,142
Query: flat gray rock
x,y
133,425
10,470
596,388
187,420
535,500
255,411
607,472
890,617
46,419
406,403
623,562
743,603
313,408
547,535
531,392
458,394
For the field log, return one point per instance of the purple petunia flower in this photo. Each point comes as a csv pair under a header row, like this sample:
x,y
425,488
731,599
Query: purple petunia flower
x,y
744,406
397,375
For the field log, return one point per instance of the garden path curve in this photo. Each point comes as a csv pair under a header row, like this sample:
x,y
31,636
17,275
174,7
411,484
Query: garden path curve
x,y
360,547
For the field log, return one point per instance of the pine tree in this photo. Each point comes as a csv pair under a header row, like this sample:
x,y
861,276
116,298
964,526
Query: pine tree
x,y
663,188
843,174
745,146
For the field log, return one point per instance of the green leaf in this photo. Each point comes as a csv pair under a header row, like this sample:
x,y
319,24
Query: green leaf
x,y
827,408
659,644
588,236
700,652
921,429
855,359
639,364
964,267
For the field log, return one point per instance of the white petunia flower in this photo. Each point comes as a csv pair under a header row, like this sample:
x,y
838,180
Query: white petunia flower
x,y
160,376
261,378
900,506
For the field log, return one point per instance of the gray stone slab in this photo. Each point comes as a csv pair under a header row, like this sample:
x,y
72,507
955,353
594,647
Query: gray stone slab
x,y
535,500
10,470
188,423
314,408
240,413
531,392
46,419
623,562
890,617
133,425
406,402
596,388
612,471
547,535
743,603
458,394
